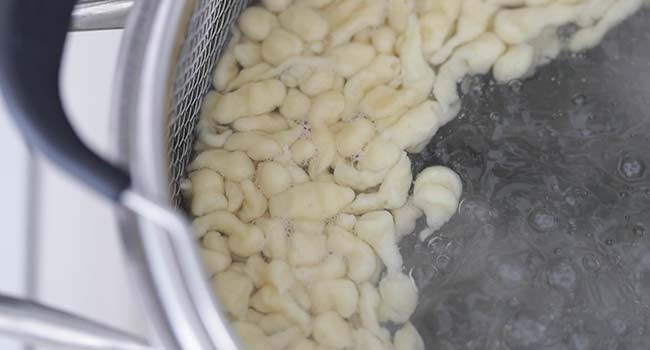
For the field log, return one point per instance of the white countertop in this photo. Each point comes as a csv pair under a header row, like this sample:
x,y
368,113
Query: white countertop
x,y
80,266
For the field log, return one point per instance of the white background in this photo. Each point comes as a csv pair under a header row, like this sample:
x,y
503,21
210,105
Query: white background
x,y
80,263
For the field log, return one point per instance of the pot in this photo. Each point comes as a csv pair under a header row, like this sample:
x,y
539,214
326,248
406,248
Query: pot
x,y
548,250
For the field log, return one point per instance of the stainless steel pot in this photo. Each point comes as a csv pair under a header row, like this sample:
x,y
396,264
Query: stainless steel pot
x,y
168,51
548,250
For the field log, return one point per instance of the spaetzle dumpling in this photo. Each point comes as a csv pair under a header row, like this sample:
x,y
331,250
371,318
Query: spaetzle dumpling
x,y
360,256
268,300
378,229
399,297
311,200
369,303
437,193
364,339
339,295
207,192
405,219
272,178
306,22
256,23
408,338
234,290
235,166
215,252
332,267
331,330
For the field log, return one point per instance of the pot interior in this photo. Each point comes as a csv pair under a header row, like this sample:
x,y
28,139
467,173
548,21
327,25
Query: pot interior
x,y
550,248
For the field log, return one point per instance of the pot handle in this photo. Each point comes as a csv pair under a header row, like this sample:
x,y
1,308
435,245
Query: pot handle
x,y
32,35
42,324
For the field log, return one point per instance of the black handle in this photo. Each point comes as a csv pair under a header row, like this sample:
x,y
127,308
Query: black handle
x,y
32,34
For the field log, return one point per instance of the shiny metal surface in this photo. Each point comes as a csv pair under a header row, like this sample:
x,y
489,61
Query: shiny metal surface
x,y
174,276
100,14
41,324
208,33
192,271
139,262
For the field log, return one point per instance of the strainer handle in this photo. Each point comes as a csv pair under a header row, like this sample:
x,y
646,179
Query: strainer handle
x,y
100,14
41,324
32,35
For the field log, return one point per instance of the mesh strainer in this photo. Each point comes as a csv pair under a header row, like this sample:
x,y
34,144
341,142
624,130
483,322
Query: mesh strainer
x,y
548,250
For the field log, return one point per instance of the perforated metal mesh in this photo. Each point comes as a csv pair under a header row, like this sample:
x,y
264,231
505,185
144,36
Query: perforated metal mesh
x,y
208,32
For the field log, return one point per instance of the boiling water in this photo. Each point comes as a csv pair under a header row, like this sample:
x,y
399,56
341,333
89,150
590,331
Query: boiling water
x,y
550,248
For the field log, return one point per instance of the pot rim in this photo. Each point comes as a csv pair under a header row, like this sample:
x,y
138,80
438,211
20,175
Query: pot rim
x,y
181,311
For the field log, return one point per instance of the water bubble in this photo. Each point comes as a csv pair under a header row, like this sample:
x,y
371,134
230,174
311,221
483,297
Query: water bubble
x,y
453,248
562,276
437,244
565,32
609,242
515,86
443,261
466,84
591,262
356,158
579,100
477,89
543,220
525,333
631,168
511,273
305,127
622,194
638,230
579,201
534,261
618,325
617,260
514,302
475,208
580,342
558,251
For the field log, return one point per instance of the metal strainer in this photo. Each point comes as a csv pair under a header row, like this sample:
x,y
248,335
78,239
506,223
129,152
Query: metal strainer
x,y
549,248
207,36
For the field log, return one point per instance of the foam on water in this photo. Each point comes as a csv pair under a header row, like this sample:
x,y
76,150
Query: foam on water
x,y
549,247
